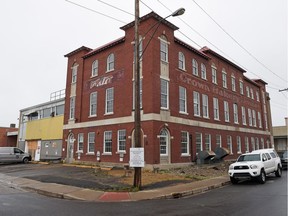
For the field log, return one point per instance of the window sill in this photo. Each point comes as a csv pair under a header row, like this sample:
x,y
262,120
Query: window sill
x,y
107,153
184,113
106,114
120,152
90,153
185,155
80,151
163,108
92,116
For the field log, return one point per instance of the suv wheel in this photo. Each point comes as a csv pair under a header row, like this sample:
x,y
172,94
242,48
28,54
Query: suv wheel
x,y
278,172
262,177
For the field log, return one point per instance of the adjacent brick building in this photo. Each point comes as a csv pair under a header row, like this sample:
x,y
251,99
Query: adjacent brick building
x,y
191,100
8,136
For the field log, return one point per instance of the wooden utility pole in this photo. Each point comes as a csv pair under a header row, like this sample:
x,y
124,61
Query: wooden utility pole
x,y
137,119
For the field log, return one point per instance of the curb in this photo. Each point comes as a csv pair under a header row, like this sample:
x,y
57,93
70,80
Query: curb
x,y
177,195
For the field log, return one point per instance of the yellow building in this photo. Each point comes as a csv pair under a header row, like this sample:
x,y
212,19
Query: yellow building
x,y
41,128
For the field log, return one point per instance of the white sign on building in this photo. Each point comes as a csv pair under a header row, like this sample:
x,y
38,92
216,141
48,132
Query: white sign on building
x,y
136,157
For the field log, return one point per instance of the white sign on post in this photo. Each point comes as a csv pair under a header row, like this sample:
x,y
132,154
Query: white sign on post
x,y
136,157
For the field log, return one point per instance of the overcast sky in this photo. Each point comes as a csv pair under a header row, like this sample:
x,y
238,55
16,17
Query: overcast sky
x,y
36,34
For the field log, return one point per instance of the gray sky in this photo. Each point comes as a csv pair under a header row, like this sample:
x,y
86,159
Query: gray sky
x,y
36,34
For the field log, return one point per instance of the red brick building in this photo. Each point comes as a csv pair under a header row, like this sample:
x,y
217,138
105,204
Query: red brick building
x,y
191,100
8,136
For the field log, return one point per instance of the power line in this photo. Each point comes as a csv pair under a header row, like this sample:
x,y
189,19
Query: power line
x,y
211,44
82,6
249,53
116,7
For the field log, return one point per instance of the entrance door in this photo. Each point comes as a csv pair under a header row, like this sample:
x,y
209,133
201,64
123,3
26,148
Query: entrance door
x,y
164,138
32,147
70,148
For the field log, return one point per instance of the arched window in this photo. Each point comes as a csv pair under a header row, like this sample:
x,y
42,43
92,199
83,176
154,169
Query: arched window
x,y
164,48
163,142
195,67
110,62
95,68
181,61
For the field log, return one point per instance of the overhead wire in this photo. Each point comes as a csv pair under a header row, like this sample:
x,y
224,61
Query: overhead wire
x,y
225,54
249,53
82,6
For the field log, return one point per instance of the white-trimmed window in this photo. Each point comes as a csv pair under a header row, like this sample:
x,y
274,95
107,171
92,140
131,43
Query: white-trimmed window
x,y
257,96
233,83
238,139
110,62
94,68
241,86
208,142
256,143
216,108
205,107
93,104
182,100
164,94
199,146
250,117
107,142
224,79
214,74
203,71
252,93
181,61
235,113
266,121
248,91
91,143
196,99
109,104
262,143
254,118
259,120
229,144
121,147
163,142
80,142
74,73
72,108
246,144
164,48
253,143
184,143
218,140
226,111
263,97
195,67
243,115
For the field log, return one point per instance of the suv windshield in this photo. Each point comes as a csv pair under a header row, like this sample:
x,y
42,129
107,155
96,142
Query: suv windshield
x,y
250,157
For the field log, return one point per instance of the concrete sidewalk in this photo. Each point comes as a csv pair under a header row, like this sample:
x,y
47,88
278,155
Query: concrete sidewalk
x,y
76,193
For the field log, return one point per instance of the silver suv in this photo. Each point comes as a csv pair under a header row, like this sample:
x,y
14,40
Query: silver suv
x,y
256,164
